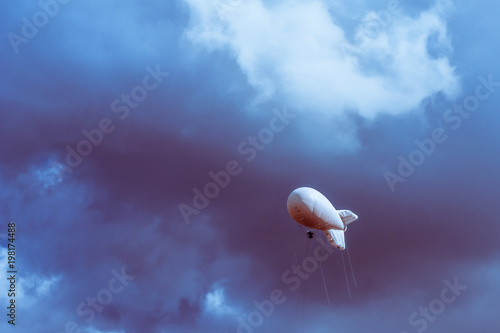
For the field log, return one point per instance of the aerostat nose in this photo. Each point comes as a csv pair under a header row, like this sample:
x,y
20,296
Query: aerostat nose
x,y
300,201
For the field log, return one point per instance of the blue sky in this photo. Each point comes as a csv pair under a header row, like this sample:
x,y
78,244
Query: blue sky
x,y
116,115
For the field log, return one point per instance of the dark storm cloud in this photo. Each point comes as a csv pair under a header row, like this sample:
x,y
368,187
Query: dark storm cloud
x,y
120,207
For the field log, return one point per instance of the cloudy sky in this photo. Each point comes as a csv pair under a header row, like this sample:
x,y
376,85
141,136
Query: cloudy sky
x,y
148,149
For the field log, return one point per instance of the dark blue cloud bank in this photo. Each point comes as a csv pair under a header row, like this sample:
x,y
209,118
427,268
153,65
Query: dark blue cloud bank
x,y
116,115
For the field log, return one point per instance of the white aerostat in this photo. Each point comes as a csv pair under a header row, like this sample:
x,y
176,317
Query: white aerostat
x,y
313,210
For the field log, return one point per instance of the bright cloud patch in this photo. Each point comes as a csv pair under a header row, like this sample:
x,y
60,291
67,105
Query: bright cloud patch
x,y
298,50
49,176
30,289
215,303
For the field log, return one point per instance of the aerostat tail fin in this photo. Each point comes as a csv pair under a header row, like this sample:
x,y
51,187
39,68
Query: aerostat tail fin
x,y
347,216
336,238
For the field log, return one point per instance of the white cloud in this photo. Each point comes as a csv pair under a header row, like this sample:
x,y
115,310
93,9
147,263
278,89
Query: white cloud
x,y
30,289
298,50
215,302
48,176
